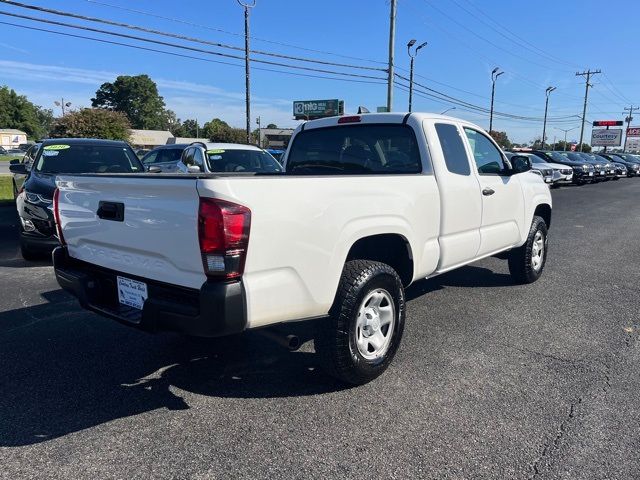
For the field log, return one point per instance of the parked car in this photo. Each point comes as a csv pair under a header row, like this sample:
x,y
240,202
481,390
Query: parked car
x,y
545,171
3,151
562,174
141,152
27,160
583,172
164,158
275,153
226,157
56,156
602,165
368,204
617,170
15,151
631,161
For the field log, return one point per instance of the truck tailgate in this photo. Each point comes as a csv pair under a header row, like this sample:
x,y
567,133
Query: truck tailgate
x,y
143,225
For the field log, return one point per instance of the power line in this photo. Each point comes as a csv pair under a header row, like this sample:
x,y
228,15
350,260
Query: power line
x,y
180,37
207,27
174,54
499,27
184,47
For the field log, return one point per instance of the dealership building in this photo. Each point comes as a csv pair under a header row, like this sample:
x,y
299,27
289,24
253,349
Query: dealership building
x,y
12,138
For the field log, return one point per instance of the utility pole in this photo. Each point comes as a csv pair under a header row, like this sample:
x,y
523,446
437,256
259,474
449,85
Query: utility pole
x,y
494,76
247,88
546,107
629,119
411,43
259,132
392,42
587,75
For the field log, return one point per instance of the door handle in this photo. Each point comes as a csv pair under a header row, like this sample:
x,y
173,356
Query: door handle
x,y
488,191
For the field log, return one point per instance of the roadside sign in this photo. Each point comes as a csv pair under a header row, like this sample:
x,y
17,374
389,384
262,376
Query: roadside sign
x,y
633,144
311,109
633,132
607,123
606,137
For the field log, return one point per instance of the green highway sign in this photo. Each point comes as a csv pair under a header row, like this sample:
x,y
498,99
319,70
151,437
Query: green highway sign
x,y
311,109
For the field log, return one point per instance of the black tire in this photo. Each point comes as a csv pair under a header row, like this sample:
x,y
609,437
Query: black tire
x,y
29,254
520,263
336,343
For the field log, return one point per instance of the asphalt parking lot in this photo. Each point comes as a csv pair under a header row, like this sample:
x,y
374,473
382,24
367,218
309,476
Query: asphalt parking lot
x,y
493,380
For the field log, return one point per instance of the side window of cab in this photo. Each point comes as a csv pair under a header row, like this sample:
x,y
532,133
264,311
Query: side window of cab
x,y
488,158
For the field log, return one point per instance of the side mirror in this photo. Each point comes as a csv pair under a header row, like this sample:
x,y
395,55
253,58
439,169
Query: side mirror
x,y
154,169
194,169
14,161
520,164
18,168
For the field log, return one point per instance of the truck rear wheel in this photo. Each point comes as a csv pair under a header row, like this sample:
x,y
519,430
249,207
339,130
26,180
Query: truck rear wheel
x,y
366,323
527,262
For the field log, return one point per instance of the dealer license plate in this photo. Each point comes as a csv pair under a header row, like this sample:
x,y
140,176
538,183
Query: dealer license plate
x,y
131,292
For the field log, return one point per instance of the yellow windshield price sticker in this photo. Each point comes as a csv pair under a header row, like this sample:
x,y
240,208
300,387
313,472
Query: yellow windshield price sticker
x,y
214,152
57,147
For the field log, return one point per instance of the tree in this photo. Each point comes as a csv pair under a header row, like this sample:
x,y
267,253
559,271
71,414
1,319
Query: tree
x,y
190,128
173,124
272,125
93,123
219,131
501,139
137,97
16,111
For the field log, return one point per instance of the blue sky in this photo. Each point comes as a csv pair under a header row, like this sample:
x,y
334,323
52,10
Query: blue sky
x,y
536,44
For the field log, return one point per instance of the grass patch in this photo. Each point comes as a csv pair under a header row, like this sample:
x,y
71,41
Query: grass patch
x,y
6,158
6,190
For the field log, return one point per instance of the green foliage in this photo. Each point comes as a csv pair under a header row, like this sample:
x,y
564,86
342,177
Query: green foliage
x,y
501,139
137,97
219,131
18,112
190,128
6,189
272,125
93,123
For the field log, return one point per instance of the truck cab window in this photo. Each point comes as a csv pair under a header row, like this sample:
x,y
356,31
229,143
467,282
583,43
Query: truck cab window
x,y
455,156
198,158
488,158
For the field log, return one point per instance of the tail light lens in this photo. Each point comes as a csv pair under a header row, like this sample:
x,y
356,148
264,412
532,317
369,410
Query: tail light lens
x,y
223,231
56,216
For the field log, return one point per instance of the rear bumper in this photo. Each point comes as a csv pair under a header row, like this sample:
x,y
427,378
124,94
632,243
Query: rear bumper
x,y
215,310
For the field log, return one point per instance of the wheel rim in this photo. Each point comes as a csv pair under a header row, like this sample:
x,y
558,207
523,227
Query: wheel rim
x,y
375,324
537,251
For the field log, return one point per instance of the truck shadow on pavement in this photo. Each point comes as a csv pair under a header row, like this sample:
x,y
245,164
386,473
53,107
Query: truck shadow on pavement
x,y
63,370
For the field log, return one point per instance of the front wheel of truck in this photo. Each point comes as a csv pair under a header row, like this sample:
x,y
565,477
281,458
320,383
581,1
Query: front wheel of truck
x,y
527,262
366,323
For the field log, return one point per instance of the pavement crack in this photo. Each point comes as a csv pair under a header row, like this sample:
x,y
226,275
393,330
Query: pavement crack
x,y
545,458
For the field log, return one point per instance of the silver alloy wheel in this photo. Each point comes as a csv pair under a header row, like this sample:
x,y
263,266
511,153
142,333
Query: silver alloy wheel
x,y
375,324
537,251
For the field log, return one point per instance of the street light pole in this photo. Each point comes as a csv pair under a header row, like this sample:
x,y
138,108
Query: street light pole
x,y
546,106
447,110
494,76
413,55
246,7
565,130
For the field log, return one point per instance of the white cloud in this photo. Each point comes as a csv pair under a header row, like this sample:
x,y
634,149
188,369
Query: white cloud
x,y
187,99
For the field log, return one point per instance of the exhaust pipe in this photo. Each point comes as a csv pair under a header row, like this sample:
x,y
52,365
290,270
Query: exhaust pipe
x,y
290,342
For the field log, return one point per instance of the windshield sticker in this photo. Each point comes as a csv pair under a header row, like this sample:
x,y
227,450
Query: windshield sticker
x,y
50,153
215,157
57,147
213,152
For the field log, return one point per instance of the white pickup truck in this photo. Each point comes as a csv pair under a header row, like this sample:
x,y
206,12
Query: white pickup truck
x,y
367,205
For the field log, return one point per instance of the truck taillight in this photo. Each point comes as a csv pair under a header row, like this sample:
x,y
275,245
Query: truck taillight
x,y
56,216
223,231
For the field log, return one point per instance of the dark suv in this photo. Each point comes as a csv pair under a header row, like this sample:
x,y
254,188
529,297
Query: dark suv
x,y
60,156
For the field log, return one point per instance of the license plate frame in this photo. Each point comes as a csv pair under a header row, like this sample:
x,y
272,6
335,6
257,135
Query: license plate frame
x,y
131,293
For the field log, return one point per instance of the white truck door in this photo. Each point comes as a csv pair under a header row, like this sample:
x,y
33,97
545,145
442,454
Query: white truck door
x,y
460,197
502,199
